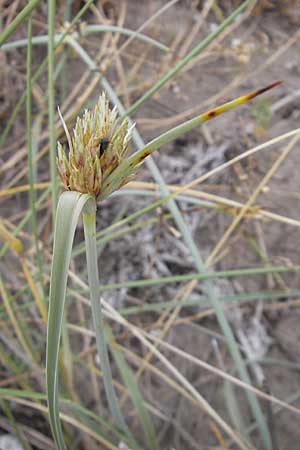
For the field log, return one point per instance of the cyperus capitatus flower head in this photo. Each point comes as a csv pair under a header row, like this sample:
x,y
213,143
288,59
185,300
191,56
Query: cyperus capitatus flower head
x,y
97,147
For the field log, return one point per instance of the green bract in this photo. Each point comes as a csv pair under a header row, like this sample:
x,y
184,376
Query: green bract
x,y
98,145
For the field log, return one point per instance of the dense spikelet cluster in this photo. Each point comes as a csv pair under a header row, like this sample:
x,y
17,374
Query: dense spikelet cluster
x,y
98,145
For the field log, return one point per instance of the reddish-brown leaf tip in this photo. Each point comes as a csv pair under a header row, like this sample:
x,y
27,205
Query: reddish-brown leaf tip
x,y
261,91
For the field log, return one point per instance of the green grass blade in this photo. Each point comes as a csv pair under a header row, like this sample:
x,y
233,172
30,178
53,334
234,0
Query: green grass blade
x,y
16,429
90,420
89,222
31,192
51,104
68,211
87,30
8,361
133,390
126,32
18,20
62,72
11,119
200,276
20,327
204,301
233,408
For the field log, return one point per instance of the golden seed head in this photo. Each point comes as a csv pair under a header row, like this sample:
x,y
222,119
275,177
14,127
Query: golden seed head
x,y
97,147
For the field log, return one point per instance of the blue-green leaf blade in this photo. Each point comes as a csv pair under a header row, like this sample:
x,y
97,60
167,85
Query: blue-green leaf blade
x,y
68,211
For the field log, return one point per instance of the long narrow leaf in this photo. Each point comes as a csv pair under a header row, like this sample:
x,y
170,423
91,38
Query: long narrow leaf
x,y
127,166
19,327
199,276
89,422
133,390
31,168
51,105
68,211
89,222
86,30
18,20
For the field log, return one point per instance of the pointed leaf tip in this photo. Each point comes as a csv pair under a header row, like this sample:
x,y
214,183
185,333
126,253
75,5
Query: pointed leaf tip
x,y
262,90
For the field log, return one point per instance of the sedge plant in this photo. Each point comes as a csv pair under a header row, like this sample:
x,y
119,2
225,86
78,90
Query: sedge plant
x,y
96,165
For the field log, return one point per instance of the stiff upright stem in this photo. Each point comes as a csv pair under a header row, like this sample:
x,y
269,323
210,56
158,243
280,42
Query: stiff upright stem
x,y
89,221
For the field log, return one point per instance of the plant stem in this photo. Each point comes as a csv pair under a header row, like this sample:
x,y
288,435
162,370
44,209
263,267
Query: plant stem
x,y
31,192
89,221
200,276
51,106
18,20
